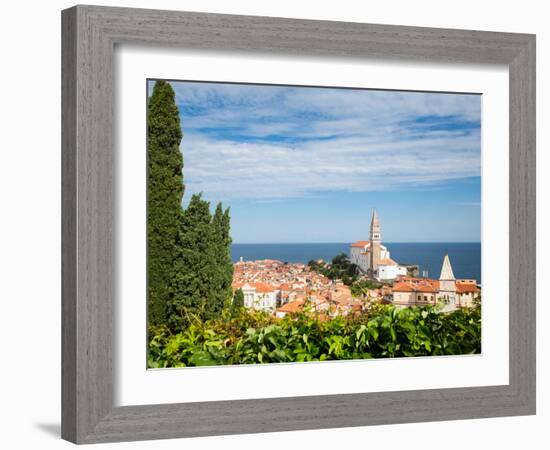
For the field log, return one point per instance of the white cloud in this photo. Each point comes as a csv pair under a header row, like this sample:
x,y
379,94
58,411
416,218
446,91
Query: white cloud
x,y
323,140
225,169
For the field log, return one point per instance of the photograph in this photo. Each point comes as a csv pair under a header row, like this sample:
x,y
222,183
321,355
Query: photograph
x,y
294,224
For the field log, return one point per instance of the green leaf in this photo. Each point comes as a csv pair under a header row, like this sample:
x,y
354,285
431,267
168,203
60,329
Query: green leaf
x,y
392,333
202,358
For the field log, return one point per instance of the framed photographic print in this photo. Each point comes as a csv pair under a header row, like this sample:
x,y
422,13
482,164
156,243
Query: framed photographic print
x,y
279,224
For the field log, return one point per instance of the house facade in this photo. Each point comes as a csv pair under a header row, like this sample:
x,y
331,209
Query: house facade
x,y
260,296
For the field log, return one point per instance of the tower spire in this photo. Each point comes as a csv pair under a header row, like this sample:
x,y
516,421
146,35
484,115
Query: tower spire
x,y
375,241
374,221
447,285
446,269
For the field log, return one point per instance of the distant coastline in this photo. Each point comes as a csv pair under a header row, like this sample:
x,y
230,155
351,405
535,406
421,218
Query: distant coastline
x,y
466,256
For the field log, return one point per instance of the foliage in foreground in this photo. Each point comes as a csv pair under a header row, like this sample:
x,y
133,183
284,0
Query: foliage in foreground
x,y
250,337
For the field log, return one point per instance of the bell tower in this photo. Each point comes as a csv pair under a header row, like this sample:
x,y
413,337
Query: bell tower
x,y
447,285
375,242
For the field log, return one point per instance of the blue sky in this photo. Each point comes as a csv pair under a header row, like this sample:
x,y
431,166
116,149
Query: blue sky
x,y
299,164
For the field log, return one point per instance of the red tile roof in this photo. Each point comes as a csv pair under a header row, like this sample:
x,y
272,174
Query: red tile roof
x,y
426,286
263,287
463,288
360,244
402,287
413,281
291,307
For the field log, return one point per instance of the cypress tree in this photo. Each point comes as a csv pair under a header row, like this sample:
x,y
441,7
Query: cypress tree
x,y
223,276
164,194
191,287
238,299
201,286
190,270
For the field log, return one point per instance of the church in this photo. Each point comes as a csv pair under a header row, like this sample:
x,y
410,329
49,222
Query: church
x,y
373,258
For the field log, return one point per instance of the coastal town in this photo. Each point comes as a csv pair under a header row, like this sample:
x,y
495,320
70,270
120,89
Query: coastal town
x,y
282,288
281,260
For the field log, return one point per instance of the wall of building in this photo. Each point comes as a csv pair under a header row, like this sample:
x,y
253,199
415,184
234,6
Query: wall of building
x,y
354,254
466,299
264,301
413,298
390,272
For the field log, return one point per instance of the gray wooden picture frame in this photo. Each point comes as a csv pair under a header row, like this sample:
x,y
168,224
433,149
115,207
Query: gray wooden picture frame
x,y
90,34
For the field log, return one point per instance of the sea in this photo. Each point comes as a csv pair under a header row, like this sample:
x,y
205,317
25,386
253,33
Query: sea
x,y
465,256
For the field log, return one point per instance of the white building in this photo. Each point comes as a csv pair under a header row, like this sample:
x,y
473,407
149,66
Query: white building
x,y
388,269
260,296
360,254
372,257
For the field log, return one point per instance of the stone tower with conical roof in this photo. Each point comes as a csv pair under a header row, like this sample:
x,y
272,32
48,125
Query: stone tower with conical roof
x,y
375,242
447,284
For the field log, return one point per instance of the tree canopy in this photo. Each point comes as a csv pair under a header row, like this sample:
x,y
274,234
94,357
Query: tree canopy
x,y
201,285
164,194
189,250
341,268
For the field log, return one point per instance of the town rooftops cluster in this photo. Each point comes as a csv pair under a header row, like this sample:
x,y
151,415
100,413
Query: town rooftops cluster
x,y
281,288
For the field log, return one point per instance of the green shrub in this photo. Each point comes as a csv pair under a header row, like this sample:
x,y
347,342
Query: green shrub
x,y
251,337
